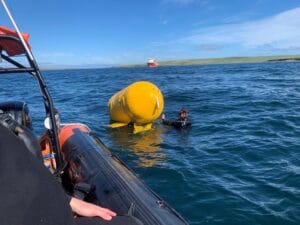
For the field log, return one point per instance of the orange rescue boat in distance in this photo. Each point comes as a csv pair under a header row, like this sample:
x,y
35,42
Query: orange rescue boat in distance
x,y
152,63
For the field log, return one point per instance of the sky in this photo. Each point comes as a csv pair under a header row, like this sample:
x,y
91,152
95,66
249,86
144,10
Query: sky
x,y
98,33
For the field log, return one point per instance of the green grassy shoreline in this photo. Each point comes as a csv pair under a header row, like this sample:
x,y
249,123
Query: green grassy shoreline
x,y
226,60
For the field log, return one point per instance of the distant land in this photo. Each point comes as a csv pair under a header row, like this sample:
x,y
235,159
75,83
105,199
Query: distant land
x,y
226,60
185,62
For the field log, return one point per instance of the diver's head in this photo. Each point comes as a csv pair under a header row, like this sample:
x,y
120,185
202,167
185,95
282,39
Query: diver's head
x,y
183,114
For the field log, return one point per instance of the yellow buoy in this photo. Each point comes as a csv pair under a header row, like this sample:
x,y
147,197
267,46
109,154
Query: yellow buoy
x,y
140,103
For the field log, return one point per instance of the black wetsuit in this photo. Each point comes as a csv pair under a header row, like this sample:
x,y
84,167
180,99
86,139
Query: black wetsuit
x,y
179,123
30,195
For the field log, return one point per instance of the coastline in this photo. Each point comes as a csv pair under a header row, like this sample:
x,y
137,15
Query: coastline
x,y
225,60
186,62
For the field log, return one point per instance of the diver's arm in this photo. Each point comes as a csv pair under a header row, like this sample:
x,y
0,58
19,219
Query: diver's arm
x,y
167,122
164,120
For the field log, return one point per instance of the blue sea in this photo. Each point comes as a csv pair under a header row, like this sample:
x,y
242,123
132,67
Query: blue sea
x,y
239,163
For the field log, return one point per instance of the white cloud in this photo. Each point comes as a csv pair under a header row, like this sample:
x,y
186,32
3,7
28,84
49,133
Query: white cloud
x,y
280,31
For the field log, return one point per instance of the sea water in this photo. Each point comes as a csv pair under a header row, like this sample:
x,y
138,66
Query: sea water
x,y
239,163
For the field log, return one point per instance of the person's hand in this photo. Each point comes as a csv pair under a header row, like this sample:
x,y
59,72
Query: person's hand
x,y
83,208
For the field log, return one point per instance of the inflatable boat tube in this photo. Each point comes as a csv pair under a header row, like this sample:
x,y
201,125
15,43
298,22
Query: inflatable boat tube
x,y
106,180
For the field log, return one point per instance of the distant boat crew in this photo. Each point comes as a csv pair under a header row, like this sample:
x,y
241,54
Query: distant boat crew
x,y
152,63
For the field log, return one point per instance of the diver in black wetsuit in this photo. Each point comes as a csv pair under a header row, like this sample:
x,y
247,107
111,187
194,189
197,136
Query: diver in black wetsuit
x,y
182,122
